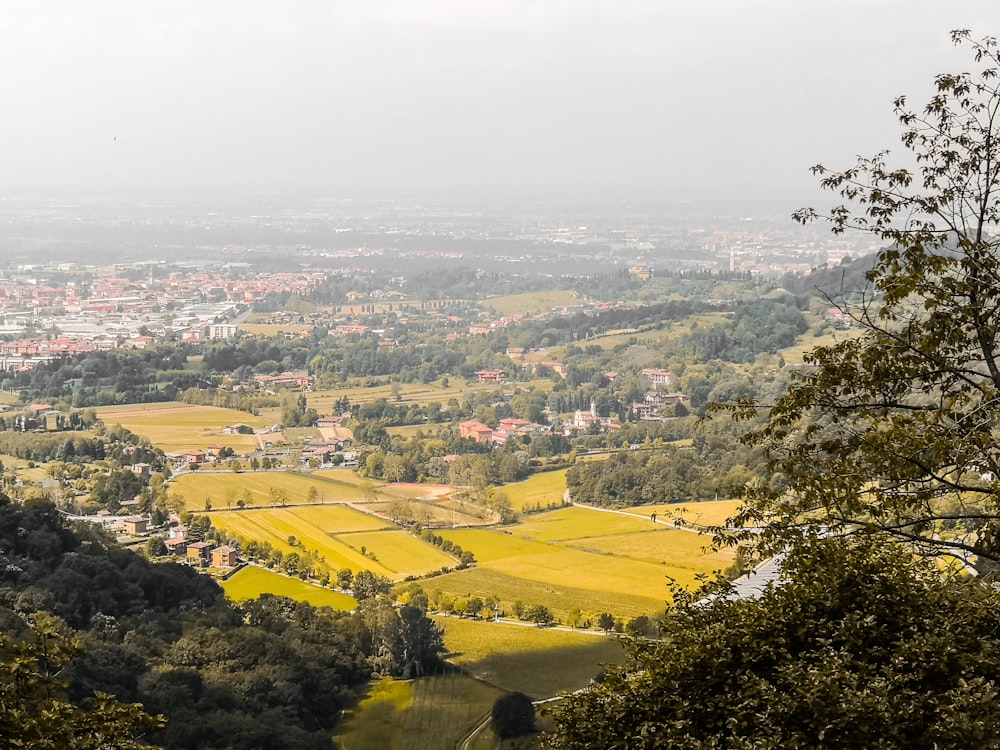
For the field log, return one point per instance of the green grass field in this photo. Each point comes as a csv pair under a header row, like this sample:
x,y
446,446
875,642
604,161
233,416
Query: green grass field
x,y
577,523
531,302
399,552
431,713
251,582
176,427
537,491
272,329
539,662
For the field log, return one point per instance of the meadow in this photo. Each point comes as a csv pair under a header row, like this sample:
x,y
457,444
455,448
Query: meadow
x,y
704,514
224,489
176,427
528,303
540,662
431,713
251,581
540,490
580,557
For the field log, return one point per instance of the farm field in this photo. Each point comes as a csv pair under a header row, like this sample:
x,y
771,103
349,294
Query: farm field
x,y
226,488
430,713
316,532
539,662
708,513
398,551
537,491
272,329
176,427
580,557
251,582
531,302
483,581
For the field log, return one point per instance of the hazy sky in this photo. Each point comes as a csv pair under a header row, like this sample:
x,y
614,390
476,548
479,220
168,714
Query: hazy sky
x,y
732,98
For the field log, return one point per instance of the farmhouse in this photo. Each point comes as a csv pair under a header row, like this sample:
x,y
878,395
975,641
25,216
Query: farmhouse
x,y
135,525
199,553
491,376
224,557
176,545
658,377
476,430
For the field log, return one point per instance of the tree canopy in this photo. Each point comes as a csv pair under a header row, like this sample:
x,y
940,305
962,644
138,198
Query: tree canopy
x,y
896,429
863,646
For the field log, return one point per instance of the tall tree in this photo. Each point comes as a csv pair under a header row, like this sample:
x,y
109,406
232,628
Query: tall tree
x,y
896,429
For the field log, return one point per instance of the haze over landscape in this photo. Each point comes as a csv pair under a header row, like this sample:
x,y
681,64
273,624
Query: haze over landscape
x,y
684,99
436,374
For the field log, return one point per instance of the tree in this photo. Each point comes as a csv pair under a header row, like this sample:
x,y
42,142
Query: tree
x,y
540,615
606,621
862,646
35,714
896,430
513,715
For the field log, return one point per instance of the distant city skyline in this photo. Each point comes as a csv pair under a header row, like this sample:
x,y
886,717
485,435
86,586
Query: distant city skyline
x,y
671,98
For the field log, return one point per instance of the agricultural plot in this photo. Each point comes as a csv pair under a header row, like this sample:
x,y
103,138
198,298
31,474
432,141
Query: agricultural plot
x,y
251,582
399,552
661,546
270,330
483,581
537,491
537,662
580,557
430,713
527,303
224,489
176,427
276,527
708,513
578,523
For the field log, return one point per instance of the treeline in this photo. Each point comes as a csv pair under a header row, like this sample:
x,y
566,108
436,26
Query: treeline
x,y
265,673
707,469
756,327
102,378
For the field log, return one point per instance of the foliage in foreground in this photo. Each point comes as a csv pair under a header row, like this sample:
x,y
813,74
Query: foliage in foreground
x,y
864,646
896,430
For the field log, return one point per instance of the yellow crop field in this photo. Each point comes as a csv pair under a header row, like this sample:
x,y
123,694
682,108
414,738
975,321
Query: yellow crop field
x,y
483,581
537,491
531,302
399,552
661,546
578,523
176,427
432,713
251,582
708,513
276,526
224,488
538,662
492,544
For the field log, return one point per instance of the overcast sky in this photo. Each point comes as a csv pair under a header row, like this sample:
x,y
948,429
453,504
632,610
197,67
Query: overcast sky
x,y
728,98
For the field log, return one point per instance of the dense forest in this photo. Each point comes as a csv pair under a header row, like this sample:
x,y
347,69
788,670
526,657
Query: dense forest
x,y
268,673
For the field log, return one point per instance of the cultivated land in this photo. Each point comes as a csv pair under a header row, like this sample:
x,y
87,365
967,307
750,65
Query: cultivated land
x,y
343,537
540,490
427,714
250,582
177,427
708,513
539,662
268,488
531,302
580,557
